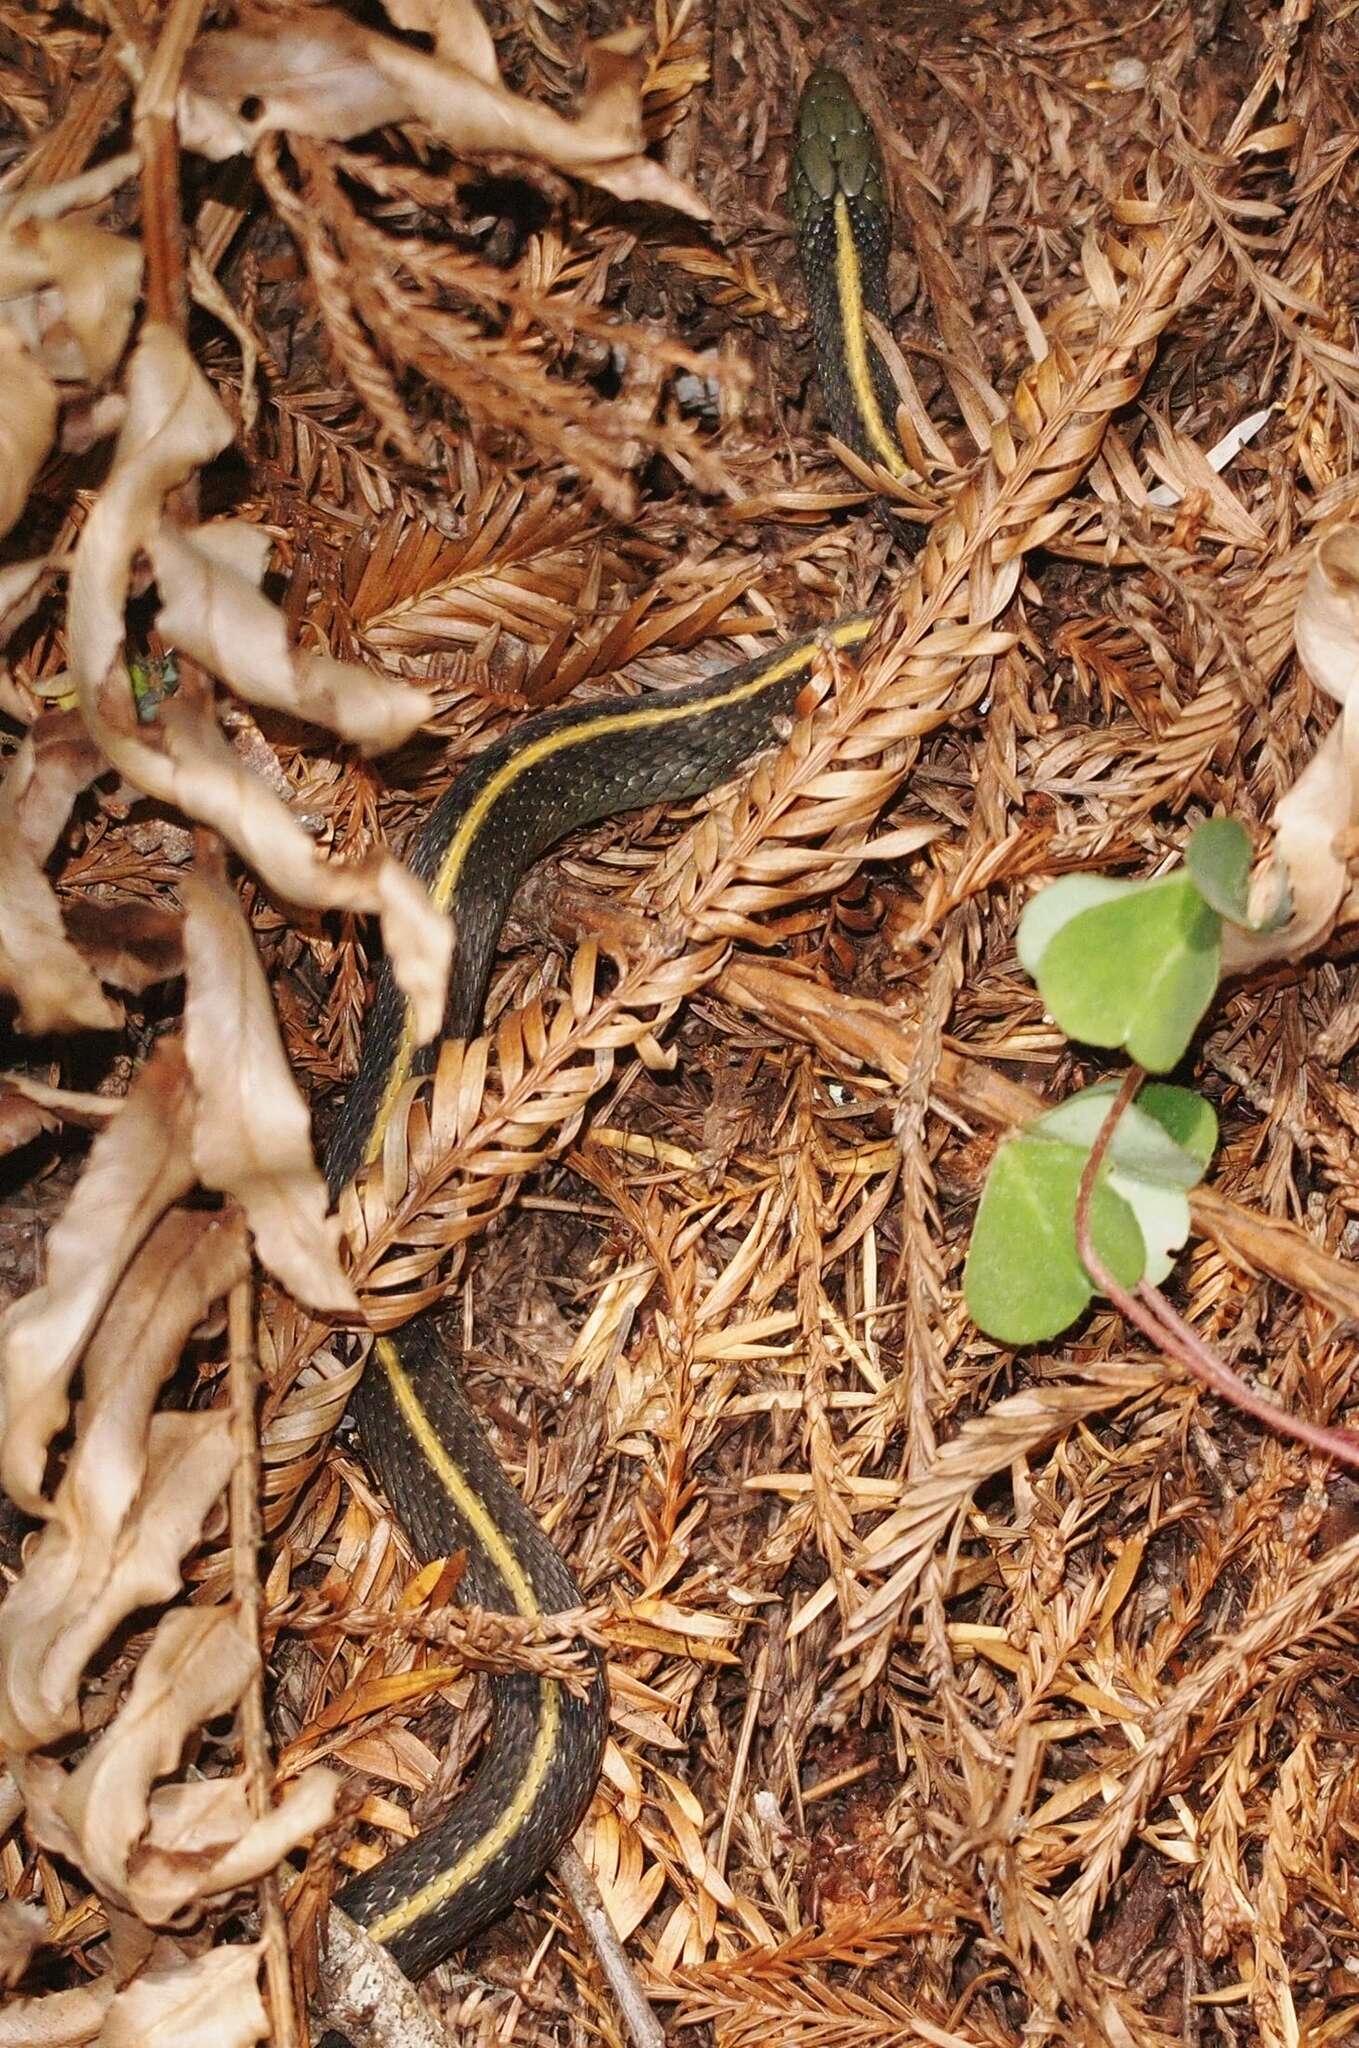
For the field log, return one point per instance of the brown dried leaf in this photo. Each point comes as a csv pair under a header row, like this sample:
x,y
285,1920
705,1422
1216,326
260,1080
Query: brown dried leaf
x,y
459,34
55,988
61,2019
1327,624
28,419
64,1105
157,1851
252,1134
1312,819
21,590
21,1119
60,761
132,944
136,1169
328,77
174,424
213,610
315,76
69,291
137,1486
23,1926
200,773
210,2001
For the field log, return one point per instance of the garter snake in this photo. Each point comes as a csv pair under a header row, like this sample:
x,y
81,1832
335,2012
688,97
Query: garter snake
x,y
551,774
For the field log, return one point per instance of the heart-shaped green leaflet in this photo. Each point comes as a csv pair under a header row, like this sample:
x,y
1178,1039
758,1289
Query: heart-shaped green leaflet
x,y
1023,1281
1137,971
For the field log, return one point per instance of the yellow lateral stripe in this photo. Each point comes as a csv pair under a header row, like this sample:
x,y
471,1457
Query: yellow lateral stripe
x,y
464,1497
847,633
856,340
642,715
407,1912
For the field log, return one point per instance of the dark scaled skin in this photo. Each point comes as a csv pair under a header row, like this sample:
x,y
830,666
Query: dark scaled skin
x,y
435,1530
559,795
836,153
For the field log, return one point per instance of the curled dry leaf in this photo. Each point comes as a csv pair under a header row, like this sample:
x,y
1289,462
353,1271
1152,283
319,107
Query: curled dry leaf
x,y
137,1487
202,775
11,1801
64,1105
159,1849
21,590
28,419
174,424
213,610
252,1133
61,2019
1327,625
209,2001
315,76
132,944
326,76
22,1927
55,987
457,30
21,1119
69,292
136,1169
61,760
1312,820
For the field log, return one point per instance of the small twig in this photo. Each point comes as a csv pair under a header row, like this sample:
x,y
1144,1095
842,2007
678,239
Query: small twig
x,y
245,1586
87,189
366,1995
837,1781
644,2029
153,128
479,1638
1154,1316
742,1757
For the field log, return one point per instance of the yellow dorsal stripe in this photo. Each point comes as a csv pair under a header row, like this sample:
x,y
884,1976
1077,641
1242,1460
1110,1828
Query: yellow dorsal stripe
x,y
633,717
855,341
478,1854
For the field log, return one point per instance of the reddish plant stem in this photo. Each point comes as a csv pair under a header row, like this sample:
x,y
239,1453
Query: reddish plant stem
x,y
1154,1316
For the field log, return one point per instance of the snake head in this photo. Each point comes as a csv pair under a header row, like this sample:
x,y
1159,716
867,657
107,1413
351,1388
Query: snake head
x,y
836,150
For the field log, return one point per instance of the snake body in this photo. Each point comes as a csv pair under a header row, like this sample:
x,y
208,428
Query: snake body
x,y
549,776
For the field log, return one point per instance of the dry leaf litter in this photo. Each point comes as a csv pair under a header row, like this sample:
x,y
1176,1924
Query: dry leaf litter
x,y
958,1697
